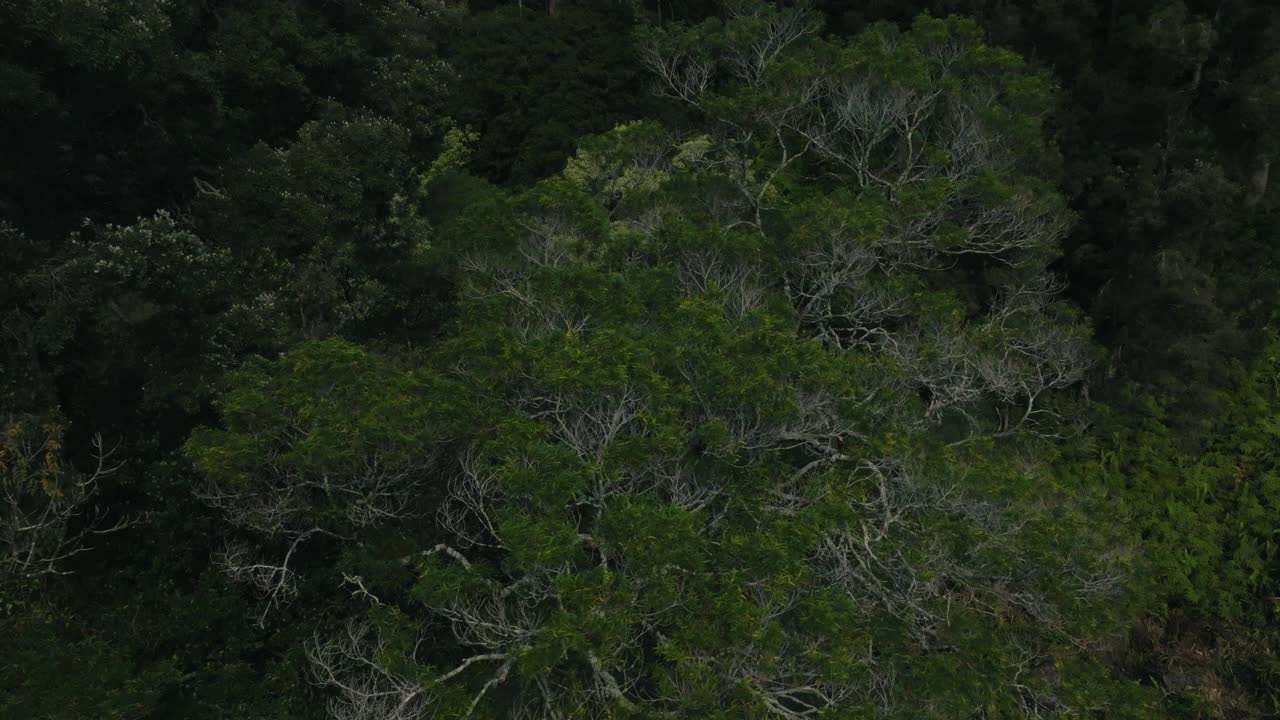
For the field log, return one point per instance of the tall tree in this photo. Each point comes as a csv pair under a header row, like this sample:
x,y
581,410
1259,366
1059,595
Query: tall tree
x,y
748,422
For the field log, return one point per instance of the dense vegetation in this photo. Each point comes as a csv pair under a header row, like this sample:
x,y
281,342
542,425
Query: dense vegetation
x,y
414,358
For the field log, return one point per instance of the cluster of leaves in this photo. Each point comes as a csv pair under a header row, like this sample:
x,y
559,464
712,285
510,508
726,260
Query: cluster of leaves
x,y
1206,518
1167,147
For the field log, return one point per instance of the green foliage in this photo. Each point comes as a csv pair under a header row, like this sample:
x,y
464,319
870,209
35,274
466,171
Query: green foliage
x,y
531,84
111,108
764,403
680,491
1206,515
47,675
326,435
1205,518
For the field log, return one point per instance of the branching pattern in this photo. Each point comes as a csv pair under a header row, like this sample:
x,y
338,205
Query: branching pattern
x,y
46,510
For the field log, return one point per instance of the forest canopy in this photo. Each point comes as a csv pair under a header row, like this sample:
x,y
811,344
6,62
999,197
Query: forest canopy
x,y
418,358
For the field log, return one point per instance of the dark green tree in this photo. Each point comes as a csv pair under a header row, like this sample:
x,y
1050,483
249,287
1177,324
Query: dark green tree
x,y
691,469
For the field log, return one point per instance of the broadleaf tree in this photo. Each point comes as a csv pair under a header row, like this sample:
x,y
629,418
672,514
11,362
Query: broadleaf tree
x,y
747,417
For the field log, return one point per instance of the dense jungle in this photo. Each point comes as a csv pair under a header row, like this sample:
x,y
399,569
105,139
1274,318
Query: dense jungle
x,y
408,359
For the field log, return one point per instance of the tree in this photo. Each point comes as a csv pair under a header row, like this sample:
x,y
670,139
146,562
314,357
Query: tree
x,y
320,443
315,232
114,111
1166,160
46,674
531,84
1206,519
48,511
912,122
691,469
